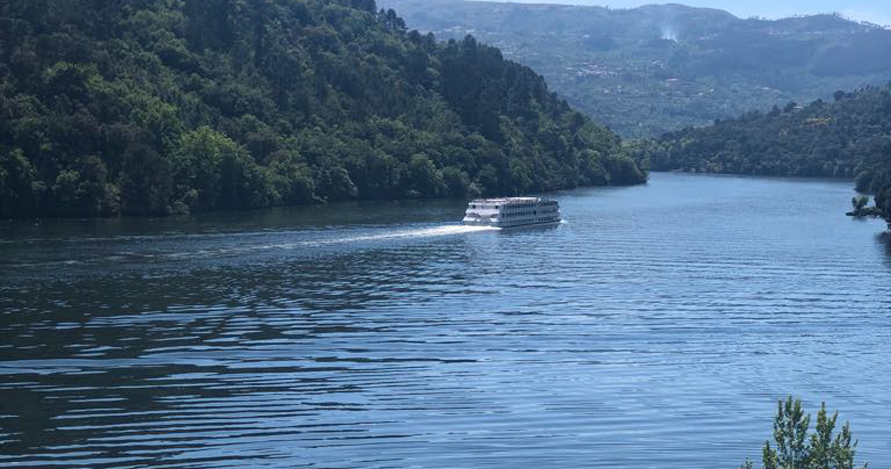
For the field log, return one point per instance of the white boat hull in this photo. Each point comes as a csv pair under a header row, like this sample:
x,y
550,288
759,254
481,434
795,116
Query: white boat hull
x,y
519,225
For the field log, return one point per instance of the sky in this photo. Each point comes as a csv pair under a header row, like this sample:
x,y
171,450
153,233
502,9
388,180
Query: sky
x,y
874,11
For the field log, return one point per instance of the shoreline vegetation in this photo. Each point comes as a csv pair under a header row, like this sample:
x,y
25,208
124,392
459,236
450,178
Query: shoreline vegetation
x,y
165,107
862,210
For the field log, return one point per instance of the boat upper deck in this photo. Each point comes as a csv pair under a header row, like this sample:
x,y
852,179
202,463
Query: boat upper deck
x,y
509,202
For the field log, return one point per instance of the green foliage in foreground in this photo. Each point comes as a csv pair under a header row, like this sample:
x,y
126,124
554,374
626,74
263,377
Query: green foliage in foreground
x,y
151,107
795,449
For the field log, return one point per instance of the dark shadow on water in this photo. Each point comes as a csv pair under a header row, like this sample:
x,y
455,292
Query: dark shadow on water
x,y
270,219
885,240
529,229
755,177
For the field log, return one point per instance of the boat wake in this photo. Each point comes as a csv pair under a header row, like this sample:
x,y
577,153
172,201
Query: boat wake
x,y
447,230
150,254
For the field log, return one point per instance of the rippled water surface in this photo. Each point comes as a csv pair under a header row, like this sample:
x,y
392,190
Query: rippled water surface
x,y
656,328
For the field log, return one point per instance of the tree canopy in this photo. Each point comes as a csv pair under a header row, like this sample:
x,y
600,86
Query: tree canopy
x,y
152,107
794,448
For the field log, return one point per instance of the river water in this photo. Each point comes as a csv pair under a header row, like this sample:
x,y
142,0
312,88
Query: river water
x,y
656,328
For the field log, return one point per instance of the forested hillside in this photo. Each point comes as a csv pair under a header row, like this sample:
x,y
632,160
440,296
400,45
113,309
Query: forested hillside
x,y
649,70
146,107
847,138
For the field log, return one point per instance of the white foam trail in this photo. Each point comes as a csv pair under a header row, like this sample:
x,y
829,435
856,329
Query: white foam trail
x,y
129,256
447,230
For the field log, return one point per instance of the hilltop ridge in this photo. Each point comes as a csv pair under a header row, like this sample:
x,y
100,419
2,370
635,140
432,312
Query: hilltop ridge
x,y
659,68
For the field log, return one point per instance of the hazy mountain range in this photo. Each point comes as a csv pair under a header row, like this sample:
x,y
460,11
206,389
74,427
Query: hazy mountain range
x,y
653,69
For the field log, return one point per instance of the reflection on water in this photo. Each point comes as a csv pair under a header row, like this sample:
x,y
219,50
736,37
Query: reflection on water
x,y
654,329
884,240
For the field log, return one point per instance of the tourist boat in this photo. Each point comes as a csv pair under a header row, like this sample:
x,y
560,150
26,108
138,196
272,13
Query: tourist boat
x,y
512,211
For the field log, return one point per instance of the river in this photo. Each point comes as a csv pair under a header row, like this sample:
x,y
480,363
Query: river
x,y
655,328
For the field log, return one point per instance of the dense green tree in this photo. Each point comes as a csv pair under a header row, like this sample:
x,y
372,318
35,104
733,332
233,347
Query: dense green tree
x,y
794,448
457,182
860,202
19,190
291,178
146,181
84,190
423,177
623,170
336,184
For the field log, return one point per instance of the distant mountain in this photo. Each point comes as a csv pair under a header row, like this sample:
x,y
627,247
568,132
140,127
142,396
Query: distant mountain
x,y
837,139
658,68
848,138
150,107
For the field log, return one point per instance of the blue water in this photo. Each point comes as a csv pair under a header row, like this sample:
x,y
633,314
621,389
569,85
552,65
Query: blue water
x,y
657,327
